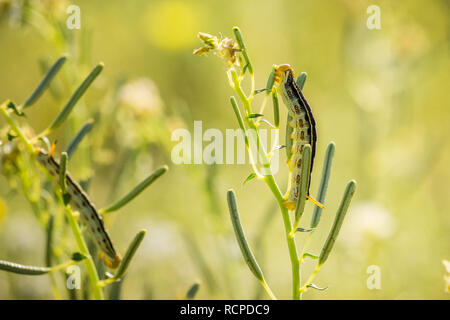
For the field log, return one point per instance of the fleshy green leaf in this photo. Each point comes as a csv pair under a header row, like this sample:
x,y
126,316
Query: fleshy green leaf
x,y
312,285
79,137
132,248
276,108
45,82
14,108
310,255
271,79
240,40
23,269
78,256
326,171
259,90
301,80
10,136
255,115
338,220
137,190
240,237
66,198
192,292
251,176
62,116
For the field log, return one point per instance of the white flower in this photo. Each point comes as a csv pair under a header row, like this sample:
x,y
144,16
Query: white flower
x,y
368,219
142,95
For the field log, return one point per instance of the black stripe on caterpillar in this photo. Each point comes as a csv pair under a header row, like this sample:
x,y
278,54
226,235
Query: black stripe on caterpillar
x,y
88,213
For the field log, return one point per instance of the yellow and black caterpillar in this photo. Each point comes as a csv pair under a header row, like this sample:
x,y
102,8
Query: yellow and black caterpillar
x,y
301,130
88,213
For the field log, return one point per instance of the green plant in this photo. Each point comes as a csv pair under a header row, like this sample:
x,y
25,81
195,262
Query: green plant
x,y
234,53
49,194
192,292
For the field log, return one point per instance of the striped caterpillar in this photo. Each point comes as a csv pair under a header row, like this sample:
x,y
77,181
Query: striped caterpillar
x,y
88,213
301,130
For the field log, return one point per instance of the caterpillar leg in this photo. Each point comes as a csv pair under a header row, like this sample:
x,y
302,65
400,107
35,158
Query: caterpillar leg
x,y
107,262
317,203
290,205
52,149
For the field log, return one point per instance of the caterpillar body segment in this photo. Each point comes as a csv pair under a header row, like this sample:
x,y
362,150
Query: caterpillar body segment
x,y
88,213
300,130
289,141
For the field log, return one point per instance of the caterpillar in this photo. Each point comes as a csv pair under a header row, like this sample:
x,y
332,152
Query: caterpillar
x,y
301,130
88,213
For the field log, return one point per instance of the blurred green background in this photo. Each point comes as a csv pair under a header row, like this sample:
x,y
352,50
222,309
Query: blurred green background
x,y
381,95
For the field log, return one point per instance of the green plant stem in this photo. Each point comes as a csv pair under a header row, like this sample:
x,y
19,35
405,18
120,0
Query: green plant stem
x,y
88,262
14,127
263,105
269,179
305,245
237,112
250,123
237,87
310,279
268,290
292,246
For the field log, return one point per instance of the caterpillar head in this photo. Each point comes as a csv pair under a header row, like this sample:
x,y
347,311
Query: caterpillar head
x,y
283,71
42,153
